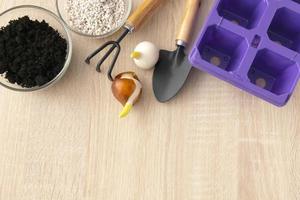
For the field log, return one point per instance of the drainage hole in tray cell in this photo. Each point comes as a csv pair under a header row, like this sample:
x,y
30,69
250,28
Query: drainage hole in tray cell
x,y
260,82
215,60
222,48
261,78
215,57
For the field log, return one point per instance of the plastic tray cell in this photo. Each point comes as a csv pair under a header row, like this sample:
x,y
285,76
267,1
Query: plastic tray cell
x,y
273,72
285,30
246,13
222,48
254,45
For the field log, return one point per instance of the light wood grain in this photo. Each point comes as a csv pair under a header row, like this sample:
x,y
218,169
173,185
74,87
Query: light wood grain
x,y
188,20
213,142
142,13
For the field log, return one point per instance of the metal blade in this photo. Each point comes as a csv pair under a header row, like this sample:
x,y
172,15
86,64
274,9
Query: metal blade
x,y
170,74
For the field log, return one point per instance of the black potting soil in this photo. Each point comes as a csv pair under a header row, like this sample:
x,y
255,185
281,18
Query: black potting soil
x,y
32,53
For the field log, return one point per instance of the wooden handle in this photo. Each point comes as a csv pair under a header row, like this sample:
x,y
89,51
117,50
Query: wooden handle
x,y
191,10
144,11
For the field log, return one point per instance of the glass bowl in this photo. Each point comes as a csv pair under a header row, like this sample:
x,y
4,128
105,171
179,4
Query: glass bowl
x,y
37,13
61,6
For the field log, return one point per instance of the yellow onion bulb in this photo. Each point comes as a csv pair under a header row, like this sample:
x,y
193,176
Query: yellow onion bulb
x,y
127,89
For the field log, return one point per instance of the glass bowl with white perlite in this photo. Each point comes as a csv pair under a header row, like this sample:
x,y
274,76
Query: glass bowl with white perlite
x,y
94,18
99,19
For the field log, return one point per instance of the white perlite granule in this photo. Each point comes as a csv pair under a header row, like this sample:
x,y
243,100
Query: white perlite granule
x,y
95,17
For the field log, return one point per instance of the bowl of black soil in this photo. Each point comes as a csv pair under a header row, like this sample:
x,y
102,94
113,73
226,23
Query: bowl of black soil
x,y
35,48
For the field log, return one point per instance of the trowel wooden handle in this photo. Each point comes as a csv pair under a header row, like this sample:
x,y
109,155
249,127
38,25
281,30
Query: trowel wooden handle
x,y
144,11
190,14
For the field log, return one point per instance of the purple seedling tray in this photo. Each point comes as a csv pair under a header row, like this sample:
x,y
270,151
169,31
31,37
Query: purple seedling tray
x,y
254,45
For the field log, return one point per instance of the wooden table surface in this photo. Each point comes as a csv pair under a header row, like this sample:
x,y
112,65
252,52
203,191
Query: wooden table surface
x,y
212,142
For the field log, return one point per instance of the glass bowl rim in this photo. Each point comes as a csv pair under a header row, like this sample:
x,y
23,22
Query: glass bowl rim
x,y
68,55
129,8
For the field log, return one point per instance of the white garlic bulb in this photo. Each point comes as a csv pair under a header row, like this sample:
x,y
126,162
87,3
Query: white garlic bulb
x,y
145,55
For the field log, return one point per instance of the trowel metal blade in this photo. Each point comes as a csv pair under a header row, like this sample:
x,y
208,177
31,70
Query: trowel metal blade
x,y
170,74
